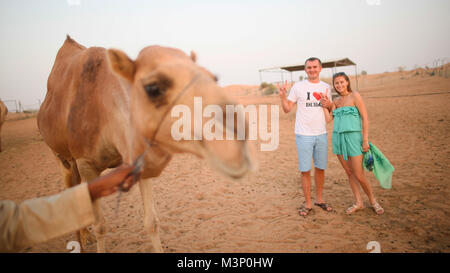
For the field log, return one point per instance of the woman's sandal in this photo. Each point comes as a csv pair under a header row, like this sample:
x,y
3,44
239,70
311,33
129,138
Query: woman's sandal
x,y
324,206
377,208
352,209
306,211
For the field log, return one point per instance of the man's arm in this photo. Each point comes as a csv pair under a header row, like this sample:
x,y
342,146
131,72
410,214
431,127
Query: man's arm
x,y
328,115
285,103
326,101
38,220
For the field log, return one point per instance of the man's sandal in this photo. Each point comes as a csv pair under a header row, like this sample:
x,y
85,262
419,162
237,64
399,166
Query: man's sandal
x,y
324,206
352,209
304,211
377,208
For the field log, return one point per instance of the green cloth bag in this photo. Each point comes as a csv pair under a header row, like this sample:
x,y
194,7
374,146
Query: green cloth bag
x,y
376,162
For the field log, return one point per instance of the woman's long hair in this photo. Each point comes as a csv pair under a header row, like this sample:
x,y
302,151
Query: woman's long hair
x,y
342,74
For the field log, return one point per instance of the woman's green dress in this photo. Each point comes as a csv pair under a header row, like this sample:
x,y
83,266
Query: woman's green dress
x,y
347,141
347,137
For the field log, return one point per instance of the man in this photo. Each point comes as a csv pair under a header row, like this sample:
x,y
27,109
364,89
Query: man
x,y
310,130
39,220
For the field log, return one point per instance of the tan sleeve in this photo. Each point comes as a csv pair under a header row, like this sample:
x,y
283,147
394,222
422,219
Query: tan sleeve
x,y
41,219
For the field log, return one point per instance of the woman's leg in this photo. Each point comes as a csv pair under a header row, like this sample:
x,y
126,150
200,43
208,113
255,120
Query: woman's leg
x,y
352,180
358,172
357,169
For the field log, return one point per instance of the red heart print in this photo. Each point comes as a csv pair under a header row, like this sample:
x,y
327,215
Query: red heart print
x,y
317,95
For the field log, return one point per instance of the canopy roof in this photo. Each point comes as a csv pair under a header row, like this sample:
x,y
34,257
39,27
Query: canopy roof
x,y
327,64
300,67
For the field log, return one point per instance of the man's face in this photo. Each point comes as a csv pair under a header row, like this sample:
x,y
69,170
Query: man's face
x,y
313,69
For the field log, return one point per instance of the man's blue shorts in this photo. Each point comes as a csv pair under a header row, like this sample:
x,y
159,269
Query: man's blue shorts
x,y
312,147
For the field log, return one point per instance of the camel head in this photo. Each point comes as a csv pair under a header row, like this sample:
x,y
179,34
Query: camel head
x,y
167,89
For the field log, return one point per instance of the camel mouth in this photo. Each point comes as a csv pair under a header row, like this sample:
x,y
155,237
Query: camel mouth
x,y
227,167
245,167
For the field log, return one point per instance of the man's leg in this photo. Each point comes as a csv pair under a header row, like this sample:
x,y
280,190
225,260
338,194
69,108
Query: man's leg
x,y
305,150
306,186
320,154
319,178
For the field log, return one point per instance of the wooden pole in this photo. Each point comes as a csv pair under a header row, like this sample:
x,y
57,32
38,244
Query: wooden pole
x,y
356,74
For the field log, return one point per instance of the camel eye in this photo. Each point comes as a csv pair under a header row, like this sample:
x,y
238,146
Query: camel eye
x,y
153,90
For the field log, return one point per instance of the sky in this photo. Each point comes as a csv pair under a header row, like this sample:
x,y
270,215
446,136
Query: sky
x,y
232,39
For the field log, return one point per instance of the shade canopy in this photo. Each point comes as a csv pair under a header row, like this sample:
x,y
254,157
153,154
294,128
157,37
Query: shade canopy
x,y
300,67
327,64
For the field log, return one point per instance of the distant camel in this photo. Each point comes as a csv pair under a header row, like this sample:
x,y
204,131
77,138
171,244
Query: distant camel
x,y
102,108
3,113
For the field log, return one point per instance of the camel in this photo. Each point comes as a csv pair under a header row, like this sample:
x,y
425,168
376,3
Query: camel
x,y
3,113
103,108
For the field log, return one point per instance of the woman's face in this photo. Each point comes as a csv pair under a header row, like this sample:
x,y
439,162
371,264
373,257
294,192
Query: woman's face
x,y
341,84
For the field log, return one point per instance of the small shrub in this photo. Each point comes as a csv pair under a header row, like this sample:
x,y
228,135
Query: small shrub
x,y
269,90
263,85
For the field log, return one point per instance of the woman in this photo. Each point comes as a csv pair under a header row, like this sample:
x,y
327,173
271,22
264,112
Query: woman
x,y
348,143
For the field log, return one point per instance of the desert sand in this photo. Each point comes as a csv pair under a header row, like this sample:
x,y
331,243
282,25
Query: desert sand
x,y
200,210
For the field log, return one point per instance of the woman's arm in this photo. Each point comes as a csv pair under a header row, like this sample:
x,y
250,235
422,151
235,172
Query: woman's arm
x,y
365,120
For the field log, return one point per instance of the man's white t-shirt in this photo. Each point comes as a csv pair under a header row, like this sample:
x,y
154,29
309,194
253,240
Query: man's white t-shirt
x,y
309,119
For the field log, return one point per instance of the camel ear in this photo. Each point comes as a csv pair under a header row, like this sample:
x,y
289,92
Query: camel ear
x,y
193,56
121,64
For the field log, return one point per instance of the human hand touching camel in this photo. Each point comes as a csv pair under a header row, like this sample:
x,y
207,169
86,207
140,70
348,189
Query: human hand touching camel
x,y
110,183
